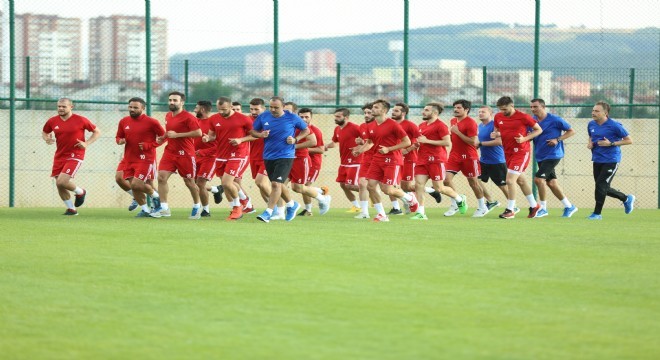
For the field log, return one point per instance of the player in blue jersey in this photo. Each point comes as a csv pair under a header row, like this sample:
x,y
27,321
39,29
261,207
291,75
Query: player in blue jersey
x,y
278,129
606,135
549,150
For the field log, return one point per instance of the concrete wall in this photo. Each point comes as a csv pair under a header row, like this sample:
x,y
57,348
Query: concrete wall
x,y
638,173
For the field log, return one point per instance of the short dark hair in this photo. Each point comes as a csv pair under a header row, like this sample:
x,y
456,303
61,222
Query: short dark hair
x,y
223,100
404,106
367,106
179,93
540,101
236,103
504,101
464,103
605,106
383,102
344,111
293,105
305,110
137,99
205,104
257,101
438,107
277,98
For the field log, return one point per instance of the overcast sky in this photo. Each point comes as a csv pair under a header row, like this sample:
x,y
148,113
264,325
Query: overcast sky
x,y
196,25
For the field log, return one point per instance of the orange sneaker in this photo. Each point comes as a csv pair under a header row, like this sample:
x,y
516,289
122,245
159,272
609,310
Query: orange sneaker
x,y
236,213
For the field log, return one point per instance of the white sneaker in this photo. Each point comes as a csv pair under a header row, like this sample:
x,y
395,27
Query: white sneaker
x,y
453,209
480,212
324,205
361,216
381,218
406,208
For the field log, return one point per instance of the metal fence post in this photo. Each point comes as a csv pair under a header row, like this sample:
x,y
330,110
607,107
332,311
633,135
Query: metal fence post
x,y
276,58
338,84
405,49
147,20
185,78
28,104
484,85
631,93
537,35
12,104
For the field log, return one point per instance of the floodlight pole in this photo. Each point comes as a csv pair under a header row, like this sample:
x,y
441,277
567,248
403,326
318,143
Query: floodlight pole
x,y
12,104
537,34
406,25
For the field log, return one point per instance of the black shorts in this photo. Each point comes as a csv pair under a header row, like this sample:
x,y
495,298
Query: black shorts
x,y
495,172
547,169
278,170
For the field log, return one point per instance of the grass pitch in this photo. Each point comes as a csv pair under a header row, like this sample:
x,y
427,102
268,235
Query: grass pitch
x,y
106,285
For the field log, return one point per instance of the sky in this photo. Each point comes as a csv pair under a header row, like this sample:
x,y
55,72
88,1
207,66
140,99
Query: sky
x,y
195,25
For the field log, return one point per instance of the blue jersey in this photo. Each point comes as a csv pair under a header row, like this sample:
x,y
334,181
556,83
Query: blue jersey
x,y
489,154
552,126
611,130
275,145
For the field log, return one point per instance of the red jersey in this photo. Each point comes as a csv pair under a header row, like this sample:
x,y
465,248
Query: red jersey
x,y
469,128
257,148
181,123
412,131
346,138
144,129
369,154
205,149
317,159
430,153
302,152
236,126
67,133
511,127
387,134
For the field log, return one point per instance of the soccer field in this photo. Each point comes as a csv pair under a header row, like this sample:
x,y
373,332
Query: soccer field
x,y
106,285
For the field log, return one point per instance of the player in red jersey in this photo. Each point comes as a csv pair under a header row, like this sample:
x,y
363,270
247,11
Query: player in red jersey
x,y
138,133
229,131
179,155
464,157
511,125
257,166
387,136
69,130
205,154
347,175
316,159
367,154
431,158
124,184
237,107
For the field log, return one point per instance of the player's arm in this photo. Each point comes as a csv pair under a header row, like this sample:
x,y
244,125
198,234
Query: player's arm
x,y
474,141
309,143
405,142
365,146
445,141
568,133
496,142
329,146
193,133
627,140
96,133
536,131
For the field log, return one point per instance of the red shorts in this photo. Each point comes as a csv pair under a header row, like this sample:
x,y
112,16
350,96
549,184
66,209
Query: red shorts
x,y
517,161
68,166
313,173
435,171
234,167
257,167
469,167
205,167
386,174
184,165
408,173
122,165
300,170
140,169
348,174
364,166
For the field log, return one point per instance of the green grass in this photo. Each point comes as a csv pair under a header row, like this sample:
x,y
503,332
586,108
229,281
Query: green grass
x,y
106,285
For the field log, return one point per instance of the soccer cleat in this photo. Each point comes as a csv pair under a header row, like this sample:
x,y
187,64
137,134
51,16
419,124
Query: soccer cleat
x,y
160,212
195,214
71,212
291,211
265,216
595,217
325,190
394,211
533,211
453,209
217,197
507,214
492,205
381,218
354,209
437,196
463,205
569,211
516,210
419,216
324,206
142,214
276,215
413,203
406,208
249,210
628,205
205,214
156,202
480,212
361,216
133,205
541,213
80,199
305,213
236,213
244,203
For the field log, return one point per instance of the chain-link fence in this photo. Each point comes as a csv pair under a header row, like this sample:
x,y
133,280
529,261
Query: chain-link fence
x,y
345,53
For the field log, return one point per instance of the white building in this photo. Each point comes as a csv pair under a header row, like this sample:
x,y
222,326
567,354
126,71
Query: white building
x,y
259,66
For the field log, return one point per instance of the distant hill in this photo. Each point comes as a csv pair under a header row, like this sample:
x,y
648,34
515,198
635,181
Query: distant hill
x,y
487,44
